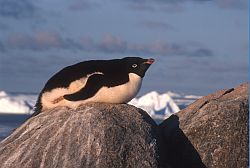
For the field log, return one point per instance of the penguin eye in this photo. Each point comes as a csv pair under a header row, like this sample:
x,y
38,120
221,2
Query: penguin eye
x,y
134,65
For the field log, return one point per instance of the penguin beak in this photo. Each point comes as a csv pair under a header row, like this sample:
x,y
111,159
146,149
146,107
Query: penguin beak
x,y
149,61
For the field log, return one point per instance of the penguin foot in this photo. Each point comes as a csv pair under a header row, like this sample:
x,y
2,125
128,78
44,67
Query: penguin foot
x,y
57,100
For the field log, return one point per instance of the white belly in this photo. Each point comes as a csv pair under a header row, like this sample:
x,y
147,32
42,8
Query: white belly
x,y
118,94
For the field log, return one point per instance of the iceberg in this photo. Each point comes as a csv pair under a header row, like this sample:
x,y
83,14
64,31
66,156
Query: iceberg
x,y
153,102
16,104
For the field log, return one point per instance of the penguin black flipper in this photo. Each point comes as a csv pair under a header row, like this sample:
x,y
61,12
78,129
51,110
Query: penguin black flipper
x,y
90,89
94,83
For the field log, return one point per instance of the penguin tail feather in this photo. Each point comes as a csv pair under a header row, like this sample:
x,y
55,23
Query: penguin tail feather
x,y
37,107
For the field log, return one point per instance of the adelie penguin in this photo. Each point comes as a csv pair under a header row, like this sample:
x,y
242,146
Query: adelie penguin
x,y
106,81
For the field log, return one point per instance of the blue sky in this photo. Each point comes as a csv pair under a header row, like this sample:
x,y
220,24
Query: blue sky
x,y
200,46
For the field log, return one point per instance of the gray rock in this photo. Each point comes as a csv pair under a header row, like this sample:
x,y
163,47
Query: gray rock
x,y
211,132
95,135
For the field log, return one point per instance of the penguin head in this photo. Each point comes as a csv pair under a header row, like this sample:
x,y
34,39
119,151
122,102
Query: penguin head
x,y
138,65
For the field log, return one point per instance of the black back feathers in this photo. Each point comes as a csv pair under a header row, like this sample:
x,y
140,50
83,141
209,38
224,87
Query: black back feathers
x,y
63,78
115,68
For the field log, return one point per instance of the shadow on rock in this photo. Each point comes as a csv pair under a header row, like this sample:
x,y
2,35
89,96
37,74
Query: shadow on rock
x,y
175,148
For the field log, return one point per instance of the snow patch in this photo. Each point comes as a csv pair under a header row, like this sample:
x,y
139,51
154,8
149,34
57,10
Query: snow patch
x,y
157,105
153,102
21,104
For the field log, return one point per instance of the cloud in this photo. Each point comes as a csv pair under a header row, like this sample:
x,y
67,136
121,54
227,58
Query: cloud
x,y
83,5
245,46
171,6
43,41
2,48
31,63
157,1
154,6
141,7
112,44
37,41
17,9
177,5
157,25
202,52
87,43
3,26
233,4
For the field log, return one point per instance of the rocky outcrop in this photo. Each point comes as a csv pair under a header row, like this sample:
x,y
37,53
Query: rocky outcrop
x,y
211,132
96,135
